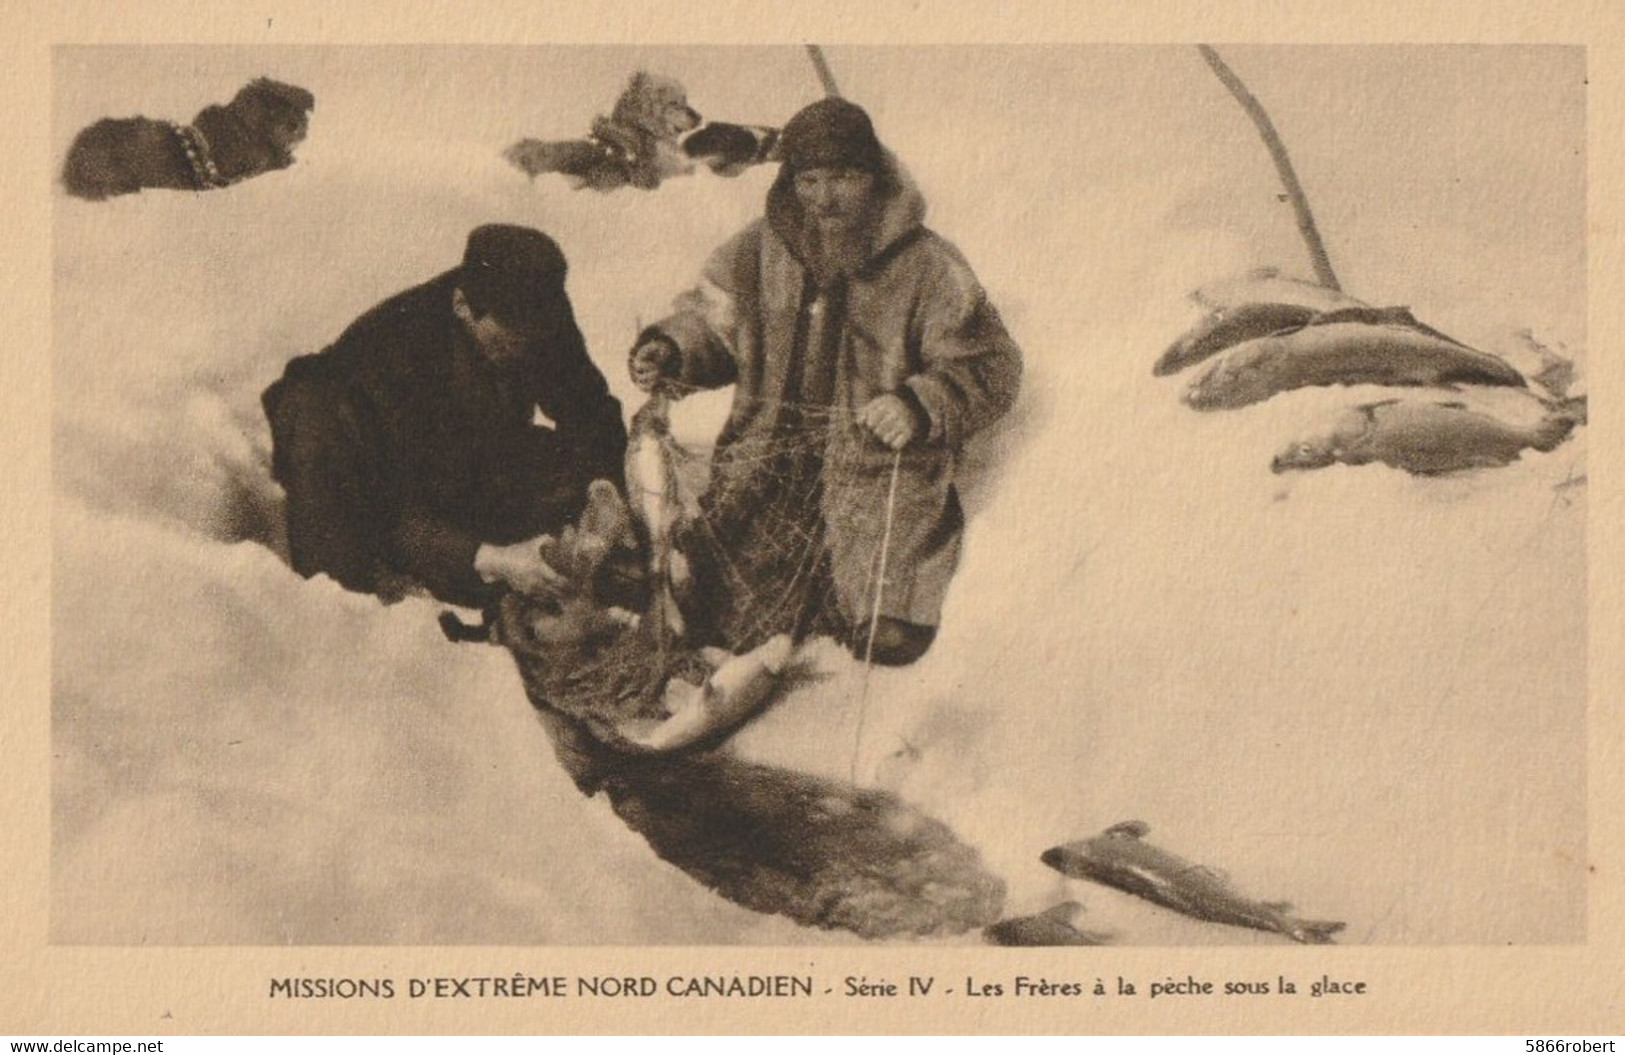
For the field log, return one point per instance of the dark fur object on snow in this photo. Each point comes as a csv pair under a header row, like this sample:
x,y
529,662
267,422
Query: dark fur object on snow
x,y
635,146
821,852
254,133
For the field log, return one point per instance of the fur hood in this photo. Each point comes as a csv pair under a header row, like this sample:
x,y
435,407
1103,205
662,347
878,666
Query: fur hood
x,y
901,217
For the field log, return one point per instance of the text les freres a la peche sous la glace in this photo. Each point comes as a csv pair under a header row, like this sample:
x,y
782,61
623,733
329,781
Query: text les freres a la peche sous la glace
x,y
1017,986
1117,986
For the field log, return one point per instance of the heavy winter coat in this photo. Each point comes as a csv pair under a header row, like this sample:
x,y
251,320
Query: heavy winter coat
x,y
910,318
402,450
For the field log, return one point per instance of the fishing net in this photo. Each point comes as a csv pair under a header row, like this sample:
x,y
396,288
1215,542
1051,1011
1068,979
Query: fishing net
x,y
821,852
752,562
758,549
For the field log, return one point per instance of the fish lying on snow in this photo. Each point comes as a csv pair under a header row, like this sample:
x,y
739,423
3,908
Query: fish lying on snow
x,y
1426,438
1053,926
1234,324
1119,857
1227,327
1256,305
1379,346
652,486
737,688
634,692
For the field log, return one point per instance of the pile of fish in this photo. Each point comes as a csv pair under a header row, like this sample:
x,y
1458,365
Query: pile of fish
x,y
1120,858
1462,409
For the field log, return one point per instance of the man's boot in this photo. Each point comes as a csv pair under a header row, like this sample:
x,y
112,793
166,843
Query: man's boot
x,y
896,643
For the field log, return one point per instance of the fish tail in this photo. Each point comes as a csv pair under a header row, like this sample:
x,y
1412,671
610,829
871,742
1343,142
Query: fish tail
x,y
1555,428
1317,931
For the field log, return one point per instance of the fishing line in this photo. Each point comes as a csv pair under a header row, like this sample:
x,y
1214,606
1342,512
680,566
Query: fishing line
x,y
874,613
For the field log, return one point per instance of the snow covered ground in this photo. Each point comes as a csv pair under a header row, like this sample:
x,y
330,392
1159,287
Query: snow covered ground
x,y
1355,689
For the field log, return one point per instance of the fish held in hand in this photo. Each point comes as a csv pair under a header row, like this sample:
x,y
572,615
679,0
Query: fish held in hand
x,y
1119,857
652,486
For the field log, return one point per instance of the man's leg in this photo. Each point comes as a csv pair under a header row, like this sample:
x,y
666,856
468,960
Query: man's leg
x,y
320,461
920,539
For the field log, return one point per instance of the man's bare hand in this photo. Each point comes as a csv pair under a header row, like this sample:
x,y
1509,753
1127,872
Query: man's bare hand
x,y
521,568
893,421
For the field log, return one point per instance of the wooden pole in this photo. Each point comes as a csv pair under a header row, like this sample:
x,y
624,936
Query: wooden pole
x,y
1283,165
825,77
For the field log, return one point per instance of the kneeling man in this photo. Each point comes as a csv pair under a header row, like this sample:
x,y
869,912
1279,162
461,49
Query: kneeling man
x,y
447,431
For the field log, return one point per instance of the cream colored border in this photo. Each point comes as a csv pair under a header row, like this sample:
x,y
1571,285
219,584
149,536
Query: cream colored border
x,y
61,991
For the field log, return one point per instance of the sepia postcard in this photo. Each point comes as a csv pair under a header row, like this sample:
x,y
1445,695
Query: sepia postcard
x,y
904,519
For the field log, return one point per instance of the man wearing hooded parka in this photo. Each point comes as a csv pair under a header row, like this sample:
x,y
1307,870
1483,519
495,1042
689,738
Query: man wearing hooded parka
x,y
864,354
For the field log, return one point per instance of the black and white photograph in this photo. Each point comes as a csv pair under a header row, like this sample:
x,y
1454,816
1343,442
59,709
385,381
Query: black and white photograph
x,y
860,498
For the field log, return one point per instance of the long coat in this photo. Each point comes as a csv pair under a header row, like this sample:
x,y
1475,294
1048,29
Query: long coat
x,y
912,318
402,451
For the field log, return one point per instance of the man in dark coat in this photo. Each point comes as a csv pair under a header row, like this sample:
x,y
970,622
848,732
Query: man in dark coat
x,y
412,449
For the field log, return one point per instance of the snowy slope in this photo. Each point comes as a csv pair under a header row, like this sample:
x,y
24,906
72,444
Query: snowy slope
x,y
1353,688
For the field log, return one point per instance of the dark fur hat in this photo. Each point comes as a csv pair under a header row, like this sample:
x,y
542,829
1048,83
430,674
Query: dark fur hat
x,y
831,133
516,273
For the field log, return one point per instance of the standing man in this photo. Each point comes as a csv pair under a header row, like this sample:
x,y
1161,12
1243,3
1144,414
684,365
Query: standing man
x,y
864,354
414,450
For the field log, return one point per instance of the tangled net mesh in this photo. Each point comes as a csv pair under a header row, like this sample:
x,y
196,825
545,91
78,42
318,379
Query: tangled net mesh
x,y
824,853
757,561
